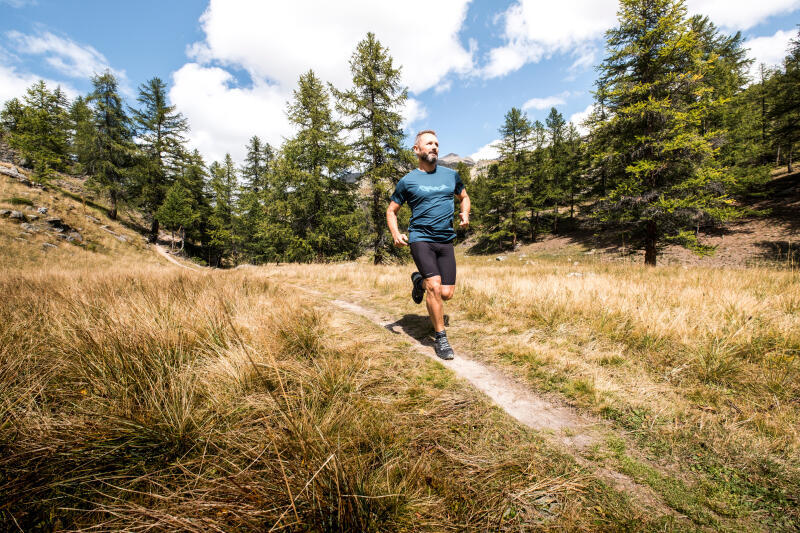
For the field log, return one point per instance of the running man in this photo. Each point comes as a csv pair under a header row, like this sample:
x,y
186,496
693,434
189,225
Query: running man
x,y
429,191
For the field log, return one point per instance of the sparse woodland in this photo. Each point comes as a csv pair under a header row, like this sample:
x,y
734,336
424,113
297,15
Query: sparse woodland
x,y
677,133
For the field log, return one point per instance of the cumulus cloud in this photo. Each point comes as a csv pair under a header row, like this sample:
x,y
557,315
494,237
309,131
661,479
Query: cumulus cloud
x,y
546,102
768,50
489,151
533,30
222,116
274,43
13,84
740,15
64,55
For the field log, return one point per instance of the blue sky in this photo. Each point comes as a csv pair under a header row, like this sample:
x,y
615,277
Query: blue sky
x,y
231,65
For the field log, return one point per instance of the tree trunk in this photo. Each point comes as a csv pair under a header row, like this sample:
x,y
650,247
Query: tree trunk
x,y
376,218
789,161
650,243
183,237
154,230
172,241
555,218
112,213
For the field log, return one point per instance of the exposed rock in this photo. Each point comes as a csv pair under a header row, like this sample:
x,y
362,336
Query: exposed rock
x,y
121,238
500,258
575,275
42,210
17,215
29,227
74,236
47,245
55,221
5,212
33,217
13,172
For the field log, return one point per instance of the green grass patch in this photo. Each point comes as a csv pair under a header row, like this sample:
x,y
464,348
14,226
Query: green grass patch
x,y
17,200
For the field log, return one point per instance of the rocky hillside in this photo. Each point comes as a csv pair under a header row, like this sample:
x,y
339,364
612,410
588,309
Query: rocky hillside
x,y
60,223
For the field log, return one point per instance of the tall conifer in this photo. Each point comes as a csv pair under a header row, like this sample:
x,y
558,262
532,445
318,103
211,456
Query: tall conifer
x,y
372,107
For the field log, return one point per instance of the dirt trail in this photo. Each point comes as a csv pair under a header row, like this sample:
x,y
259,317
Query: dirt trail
x,y
166,255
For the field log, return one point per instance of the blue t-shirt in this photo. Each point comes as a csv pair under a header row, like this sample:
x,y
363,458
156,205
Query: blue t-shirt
x,y
430,196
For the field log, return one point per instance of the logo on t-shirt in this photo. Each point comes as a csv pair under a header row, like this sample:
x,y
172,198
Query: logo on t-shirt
x,y
430,188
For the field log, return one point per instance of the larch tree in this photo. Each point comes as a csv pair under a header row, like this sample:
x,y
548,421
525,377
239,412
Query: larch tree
x,y
372,107
557,160
323,203
41,130
665,178
160,134
785,110
111,156
223,222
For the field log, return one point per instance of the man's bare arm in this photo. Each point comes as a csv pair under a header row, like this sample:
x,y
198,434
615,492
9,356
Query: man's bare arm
x,y
400,239
466,206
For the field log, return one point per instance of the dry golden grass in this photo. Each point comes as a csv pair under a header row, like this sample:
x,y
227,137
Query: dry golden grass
x,y
698,368
149,398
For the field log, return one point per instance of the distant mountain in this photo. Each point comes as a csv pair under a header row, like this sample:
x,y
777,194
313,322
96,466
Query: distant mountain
x,y
451,160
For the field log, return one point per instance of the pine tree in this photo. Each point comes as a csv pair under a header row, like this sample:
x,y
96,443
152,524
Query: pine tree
x,y
664,178
373,106
176,212
193,178
224,237
785,111
539,172
511,186
112,152
40,131
81,134
159,130
557,161
323,204
253,197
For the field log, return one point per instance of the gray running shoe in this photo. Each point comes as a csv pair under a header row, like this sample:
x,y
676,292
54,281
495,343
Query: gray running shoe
x,y
443,348
418,291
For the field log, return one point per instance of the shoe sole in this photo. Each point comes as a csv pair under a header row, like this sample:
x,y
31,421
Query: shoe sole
x,y
416,297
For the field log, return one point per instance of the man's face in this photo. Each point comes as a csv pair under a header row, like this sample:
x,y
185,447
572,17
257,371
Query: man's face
x,y
427,148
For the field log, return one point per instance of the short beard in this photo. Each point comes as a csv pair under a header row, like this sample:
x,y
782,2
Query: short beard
x,y
430,157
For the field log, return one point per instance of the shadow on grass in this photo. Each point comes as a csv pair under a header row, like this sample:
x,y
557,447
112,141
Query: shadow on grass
x,y
417,327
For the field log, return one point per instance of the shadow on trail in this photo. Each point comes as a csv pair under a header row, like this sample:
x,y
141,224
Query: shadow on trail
x,y
417,327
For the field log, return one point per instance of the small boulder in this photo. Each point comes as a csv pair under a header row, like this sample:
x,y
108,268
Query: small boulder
x,y
575,275
29,227
47,246
500,258
74,236
33,217
17,215
42,210
5,212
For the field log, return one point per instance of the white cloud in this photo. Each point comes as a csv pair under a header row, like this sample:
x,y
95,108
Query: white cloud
x,y
413,111
489,151
768,50
580,117
546,102
740,15
277,42
280,41
535,30
66,56
223,117
13,84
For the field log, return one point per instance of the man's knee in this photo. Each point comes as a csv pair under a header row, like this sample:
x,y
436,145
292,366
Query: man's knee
x,y
434,285
447,291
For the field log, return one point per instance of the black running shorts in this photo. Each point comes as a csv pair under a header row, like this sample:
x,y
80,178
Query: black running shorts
x,y
435,259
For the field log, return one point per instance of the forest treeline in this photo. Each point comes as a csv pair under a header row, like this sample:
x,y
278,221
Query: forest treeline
x,y
678,130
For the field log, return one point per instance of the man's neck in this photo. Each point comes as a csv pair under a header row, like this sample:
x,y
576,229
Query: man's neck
x,y
425,166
